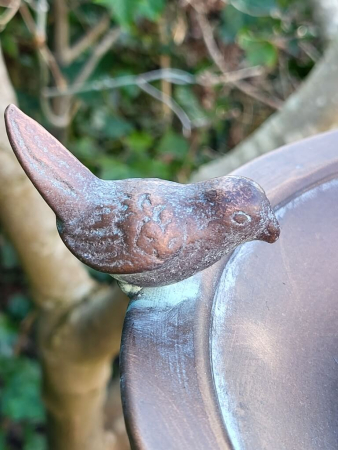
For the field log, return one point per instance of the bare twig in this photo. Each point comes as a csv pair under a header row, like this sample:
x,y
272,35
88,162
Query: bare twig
x,y
165,63
99,51
217,57
325,13
45,53
249,90
170,102
53,66
41,20
25,328
311,109
210,79
70,54
10,12
57,120
61,30
61,116
28,18
255,12
310,51
174,76
67,54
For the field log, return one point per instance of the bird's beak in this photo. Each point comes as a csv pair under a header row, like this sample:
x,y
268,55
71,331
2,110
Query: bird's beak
x,y
272,231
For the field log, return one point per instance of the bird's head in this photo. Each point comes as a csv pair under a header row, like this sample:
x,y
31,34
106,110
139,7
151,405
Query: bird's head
x,y
245,209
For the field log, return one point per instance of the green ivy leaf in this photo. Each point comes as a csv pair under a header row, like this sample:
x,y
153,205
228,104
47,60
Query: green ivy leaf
x,y
116,127
34,441
157,169
19,306
123,10
9,257
3,445
256,7
150,9
107,126
10,46
190,103
139,141
20,396
233,22
8,335
258,51
126,11
112,169
85,147
173,144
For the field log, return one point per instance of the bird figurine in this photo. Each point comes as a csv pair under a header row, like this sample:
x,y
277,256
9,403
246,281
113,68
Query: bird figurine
x,y
143,232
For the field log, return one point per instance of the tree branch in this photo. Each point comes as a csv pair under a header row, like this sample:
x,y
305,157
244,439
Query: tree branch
x,y
84,43
46,55
79,321
61,30
62,110
99,51
7,16
217,57
97,324
170,103
325,12
67,54
312,109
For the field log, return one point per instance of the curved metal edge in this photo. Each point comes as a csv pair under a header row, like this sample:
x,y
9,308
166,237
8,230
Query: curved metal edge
x,y
163,336
282,173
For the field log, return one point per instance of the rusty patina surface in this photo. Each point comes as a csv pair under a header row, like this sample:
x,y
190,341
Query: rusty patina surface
x,y
243,356
145,232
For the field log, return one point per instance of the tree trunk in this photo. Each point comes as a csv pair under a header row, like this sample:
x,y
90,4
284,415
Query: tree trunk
x,y
325,13
80,322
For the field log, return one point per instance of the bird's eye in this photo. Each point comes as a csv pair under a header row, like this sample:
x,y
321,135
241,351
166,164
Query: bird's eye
x,y
240,217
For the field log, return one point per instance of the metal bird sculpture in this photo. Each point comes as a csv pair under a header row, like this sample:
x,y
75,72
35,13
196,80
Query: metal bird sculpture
x,y
143,232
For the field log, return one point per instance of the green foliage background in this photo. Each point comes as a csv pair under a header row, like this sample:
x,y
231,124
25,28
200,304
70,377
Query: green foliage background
x,y
125,133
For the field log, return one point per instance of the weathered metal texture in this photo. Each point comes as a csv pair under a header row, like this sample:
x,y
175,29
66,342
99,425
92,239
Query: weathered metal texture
x,y
144,232
244,355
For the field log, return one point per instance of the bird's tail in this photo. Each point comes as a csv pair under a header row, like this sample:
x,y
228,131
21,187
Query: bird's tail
x,y
60,178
